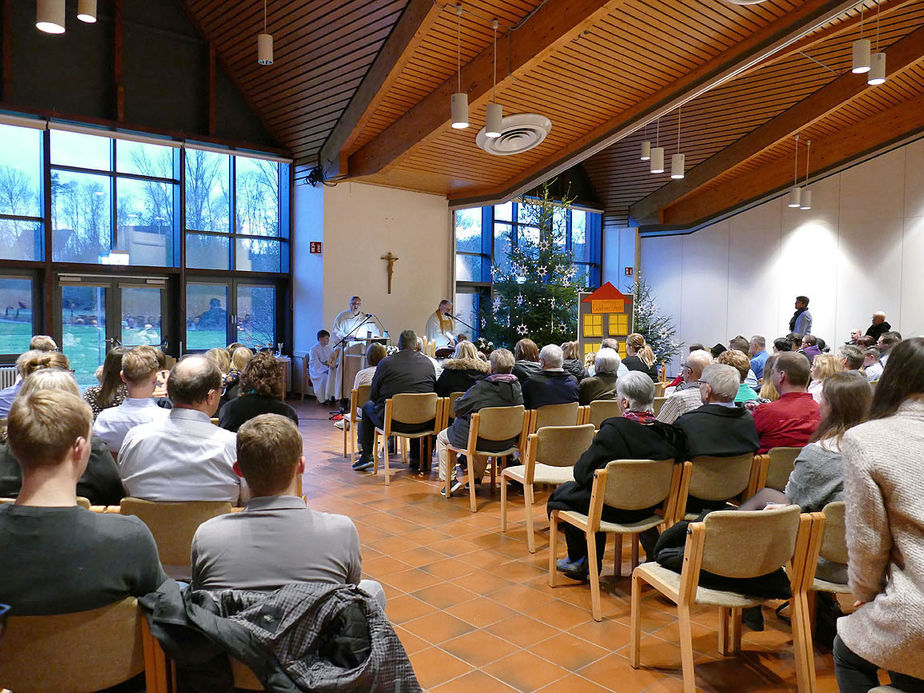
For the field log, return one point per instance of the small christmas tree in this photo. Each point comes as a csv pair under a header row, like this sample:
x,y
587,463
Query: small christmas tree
x,y
535,294
658,330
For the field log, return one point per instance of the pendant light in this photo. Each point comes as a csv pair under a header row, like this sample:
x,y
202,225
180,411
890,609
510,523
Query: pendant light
x,y
806,196
494,111
264,43
677,159
86,11
877,70
459,104
657,152
646,146
49,16
860,51
795,192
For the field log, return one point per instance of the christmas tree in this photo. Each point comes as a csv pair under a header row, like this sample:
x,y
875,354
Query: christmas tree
x,y
534,292
658,330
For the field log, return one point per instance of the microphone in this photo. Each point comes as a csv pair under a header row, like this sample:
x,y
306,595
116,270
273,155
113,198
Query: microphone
x,y
369,315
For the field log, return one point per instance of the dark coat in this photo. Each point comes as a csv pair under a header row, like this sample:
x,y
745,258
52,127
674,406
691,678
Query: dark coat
x,y
634,363
238,411
404,371
494,391
550,387
460,374
718,431
601,386
618,438
524,370
876,331
575,368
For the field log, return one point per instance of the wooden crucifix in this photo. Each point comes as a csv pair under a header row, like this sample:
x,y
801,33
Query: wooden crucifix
x,y
391,260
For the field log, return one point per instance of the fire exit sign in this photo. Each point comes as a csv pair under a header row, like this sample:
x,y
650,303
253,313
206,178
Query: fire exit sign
x,y
314,247
629,270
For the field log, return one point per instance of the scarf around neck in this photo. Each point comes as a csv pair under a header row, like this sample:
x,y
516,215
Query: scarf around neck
x,y
795,316
642,417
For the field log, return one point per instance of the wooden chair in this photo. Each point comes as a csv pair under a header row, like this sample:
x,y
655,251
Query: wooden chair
x,y
714,479
626,485
407,408
833,548
600,410
214,420
489,424
773,538
554,415
658,404
173,526
449,410
358,398
775,467
550,457
81,651
660,387
81,501
244,678
306,362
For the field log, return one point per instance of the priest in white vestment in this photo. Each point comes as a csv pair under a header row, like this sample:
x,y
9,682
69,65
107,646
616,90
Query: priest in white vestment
x,y
440,325
319,368
355,323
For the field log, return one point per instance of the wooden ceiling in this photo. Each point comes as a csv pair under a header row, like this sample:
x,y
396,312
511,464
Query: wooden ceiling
x,y
363,90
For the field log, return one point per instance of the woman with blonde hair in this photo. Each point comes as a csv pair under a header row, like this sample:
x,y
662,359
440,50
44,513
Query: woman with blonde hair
x,y
571,351
462,371
240,357
640,357
823,366
220,358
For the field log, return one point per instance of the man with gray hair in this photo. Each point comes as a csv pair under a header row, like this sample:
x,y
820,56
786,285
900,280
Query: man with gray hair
x,y
757,351
610,343
602,385
553,385
686,397
852,357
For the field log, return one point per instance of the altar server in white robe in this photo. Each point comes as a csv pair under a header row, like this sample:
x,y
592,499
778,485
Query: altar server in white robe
x,y
319,367
351,322
440,325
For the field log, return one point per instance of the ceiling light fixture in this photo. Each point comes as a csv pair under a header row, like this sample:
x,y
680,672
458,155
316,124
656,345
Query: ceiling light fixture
x,y
646,146
806,196
494,111
860,50
264,43
877,70
795,192
86,11
677,159
49,16
657,152
459,106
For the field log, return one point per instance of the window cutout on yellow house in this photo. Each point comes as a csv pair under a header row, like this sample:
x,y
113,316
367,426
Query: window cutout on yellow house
x,y
590,347
619,324
593,325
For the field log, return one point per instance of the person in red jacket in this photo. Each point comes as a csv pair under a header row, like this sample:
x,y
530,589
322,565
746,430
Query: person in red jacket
x,y
792,419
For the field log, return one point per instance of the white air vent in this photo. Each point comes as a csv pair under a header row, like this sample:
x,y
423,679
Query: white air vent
x,y
519,133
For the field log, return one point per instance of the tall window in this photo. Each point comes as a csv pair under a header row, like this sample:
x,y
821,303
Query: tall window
x,y
21,218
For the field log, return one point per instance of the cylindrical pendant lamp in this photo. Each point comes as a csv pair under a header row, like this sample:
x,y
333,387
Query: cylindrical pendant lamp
x,y
495,120
49,16
805,201
657,160
265,49
795,196
646,150
860,56
877,70
460,110
86,11
677,166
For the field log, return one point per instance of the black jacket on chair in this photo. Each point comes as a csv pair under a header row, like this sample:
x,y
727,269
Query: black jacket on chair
x,y
460,374
501,390
634,363
550,387
718,431
404,371
524,370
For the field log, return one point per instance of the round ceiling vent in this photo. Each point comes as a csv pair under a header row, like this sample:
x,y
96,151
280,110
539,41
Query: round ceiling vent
x,y
519,133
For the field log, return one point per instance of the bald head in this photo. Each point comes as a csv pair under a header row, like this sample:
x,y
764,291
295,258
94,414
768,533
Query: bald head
x,y
695,363
193,383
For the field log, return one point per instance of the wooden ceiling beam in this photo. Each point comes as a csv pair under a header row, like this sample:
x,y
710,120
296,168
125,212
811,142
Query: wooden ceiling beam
x,y
555,23
773,38
864,140
901,54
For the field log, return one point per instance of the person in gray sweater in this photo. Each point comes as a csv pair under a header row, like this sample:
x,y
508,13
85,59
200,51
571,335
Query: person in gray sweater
x,y
885,533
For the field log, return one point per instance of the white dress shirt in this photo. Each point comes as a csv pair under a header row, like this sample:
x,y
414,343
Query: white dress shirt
x,y
112,424
184,457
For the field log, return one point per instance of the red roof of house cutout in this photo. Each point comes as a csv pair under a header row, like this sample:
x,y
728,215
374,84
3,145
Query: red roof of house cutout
x,y
606,292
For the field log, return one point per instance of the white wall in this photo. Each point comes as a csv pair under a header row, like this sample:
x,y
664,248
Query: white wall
x,y
859,249
618,254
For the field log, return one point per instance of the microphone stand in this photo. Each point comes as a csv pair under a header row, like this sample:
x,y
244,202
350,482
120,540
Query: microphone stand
x,y
341,410
456,317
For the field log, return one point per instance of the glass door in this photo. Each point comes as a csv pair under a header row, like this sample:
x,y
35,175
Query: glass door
x,y
255,315
251,320
141,312
207,319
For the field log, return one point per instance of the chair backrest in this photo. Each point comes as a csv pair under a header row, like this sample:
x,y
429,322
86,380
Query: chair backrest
x,y
834,539
81,501
453,396
782,462
661,385
500,423
362,396
658,403
81,651
720,478
561,446
173,524
601,410
556,415
749,543
414,408
637,484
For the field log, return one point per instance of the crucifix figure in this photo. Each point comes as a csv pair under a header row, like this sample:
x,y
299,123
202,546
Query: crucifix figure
x,y
391,260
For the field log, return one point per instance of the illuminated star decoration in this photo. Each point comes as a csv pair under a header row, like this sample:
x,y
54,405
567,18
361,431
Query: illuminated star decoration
x,y
522,330
542,270
520,299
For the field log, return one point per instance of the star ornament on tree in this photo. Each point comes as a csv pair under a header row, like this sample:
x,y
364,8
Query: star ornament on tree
x,y
522,330
542,270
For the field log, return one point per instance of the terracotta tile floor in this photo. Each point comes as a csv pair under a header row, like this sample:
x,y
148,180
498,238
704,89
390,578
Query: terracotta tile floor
x,y
474,610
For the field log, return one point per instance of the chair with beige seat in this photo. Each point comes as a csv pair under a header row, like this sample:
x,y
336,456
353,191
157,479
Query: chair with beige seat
x,y
775,467
358,398
624,485
409,409
658,404
714,479
774,539
600,410
449,404
550,457
554,415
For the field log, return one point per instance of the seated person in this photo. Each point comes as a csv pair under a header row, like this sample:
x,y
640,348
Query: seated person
x,y
375,352
851,358
111,390
500,389
809,347
275,540
602,384
462,371
634,435
526,357
823,366
686,396
184,457
739,361
262,383
571,352
100,483
758,354
139,373
553,385
640,357
872,369
27,363
319,367
610,343
160,382
240,357
59,557
792,419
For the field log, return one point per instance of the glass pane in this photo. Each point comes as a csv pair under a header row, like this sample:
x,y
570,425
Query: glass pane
x,y
20,240
208,200
257,196
255,255
582,275
77,149
141,318
527,214
20,171
83,330
466,307
256,316
503,212
145,159
206,316
16,324
468,230
502,241
208,252
81,217
145,215
579,244
468,268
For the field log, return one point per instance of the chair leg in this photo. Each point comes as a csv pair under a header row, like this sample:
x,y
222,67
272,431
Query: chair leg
x,y
528,503
686,648
375,452
345,433
504,505
450,470
634,539
594,576
493,463
404,445
635,622
617,558
553,548
735,630
724,634
802,644
387,462
472,501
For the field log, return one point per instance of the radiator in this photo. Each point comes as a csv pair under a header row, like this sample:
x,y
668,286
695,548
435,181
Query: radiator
x,y
7,376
